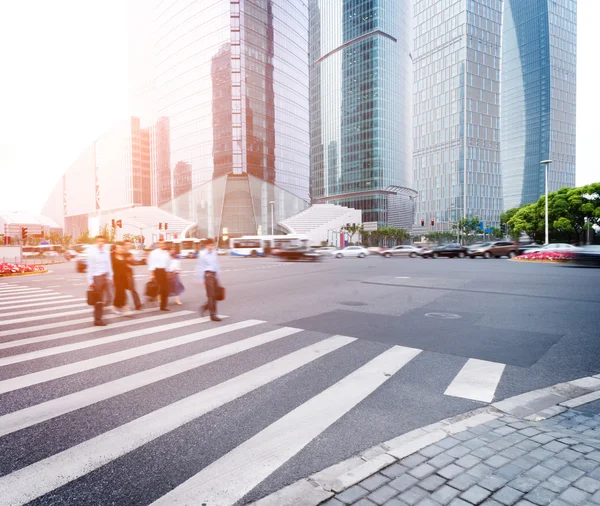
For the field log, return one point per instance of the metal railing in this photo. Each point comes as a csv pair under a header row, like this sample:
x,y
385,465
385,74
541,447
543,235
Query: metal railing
x,y
32,261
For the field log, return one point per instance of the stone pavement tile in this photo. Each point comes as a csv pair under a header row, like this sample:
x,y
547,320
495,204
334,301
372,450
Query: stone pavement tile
x,y
503,443
481,471
413,495
475,494
523,502
490,437
431,451
541,496
484,452
432,482
496,461
458,451
445,494
554,463
394,471
505,430
459,502
463,481
448,443
473,444
352,494
363,502
539,473
528,445
422,471
542,438
373,482
595,455
568,441
569,455
441,460
587,484
570,473
494,424
595,498
556,484
413,460
450,471
541,454
395,502
514,438
574,496
509,471
493,482
524,483
403,482
468,461
509,419
491,502
584,465
428,502
519,425
382,494
529,432
581,448
554,447
333,502
507,496
512,453
526,462
465,435
595,473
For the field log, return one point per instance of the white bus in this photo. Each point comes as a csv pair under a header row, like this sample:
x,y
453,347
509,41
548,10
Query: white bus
x,y
186,247
254,245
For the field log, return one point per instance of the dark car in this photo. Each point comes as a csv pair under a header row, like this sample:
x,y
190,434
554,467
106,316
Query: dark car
x,y
446,250
587,256
494,249
298,253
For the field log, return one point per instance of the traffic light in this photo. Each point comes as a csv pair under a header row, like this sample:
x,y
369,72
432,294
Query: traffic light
x,y
505,228
166,226
112,223
422,222
160,226
432,222
24,233
119,223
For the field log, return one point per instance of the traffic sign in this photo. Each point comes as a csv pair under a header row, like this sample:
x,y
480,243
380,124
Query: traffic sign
x,y
489,230
370,226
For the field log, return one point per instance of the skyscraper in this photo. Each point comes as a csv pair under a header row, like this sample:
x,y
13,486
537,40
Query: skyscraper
x,y
457,110
232,80
360,102
539,55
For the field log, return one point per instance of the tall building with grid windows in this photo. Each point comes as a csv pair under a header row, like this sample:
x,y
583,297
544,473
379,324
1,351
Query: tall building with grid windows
x,y
456,121
539,56
360,90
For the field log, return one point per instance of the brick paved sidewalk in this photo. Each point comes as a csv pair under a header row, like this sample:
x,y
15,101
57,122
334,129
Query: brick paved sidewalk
x,y
500,463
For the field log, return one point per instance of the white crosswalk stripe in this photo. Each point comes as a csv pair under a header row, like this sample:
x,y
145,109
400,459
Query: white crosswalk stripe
x,y
25,294
260,454
36,299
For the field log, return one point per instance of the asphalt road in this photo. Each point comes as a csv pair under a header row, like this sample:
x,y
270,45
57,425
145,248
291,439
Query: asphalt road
x,y
355,352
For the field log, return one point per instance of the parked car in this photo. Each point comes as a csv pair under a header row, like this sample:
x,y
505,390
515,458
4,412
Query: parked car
x,y
352,251
375,250
495,249
446,250
559,246
401,251
327,251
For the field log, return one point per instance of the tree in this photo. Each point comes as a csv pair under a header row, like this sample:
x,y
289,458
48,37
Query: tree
x,y
85,238
352,230
109,233
527,219
505,217
497,233
467,226
440,237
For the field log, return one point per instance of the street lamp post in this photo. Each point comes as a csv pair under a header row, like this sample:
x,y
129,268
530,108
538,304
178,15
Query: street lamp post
x,y
546,163
272,204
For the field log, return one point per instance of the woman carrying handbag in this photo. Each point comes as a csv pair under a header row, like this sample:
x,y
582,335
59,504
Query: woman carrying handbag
x,y
176,287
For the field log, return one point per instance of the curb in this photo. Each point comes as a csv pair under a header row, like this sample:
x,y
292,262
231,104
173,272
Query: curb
x,y
533,406
22,274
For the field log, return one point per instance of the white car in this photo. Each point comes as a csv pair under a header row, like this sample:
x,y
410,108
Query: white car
x,y
559,246
326,251
352,251
401,251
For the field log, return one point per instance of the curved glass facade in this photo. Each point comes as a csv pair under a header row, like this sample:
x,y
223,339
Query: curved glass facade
x,y
538,97
360,84
232,85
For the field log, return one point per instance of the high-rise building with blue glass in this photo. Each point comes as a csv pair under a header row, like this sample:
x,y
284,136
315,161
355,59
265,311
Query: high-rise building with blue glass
x,y
360,90
456,122
538,97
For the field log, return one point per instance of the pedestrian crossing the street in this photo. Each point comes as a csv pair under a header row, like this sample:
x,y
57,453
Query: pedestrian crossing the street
x,y
189,411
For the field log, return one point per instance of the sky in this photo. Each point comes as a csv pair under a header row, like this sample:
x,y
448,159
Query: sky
x,y
65,79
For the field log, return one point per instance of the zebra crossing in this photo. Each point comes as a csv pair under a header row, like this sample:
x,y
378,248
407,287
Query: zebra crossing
x,y
161,378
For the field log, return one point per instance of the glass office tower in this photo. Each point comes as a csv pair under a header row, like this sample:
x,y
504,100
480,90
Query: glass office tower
x,y
457,111
232,86
360,89
539,56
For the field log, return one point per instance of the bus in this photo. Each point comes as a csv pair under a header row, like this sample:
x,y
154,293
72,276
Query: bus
x,y
254,245
185,247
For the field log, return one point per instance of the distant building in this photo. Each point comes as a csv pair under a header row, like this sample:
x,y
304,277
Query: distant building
x,y
360,88
539,85
456,122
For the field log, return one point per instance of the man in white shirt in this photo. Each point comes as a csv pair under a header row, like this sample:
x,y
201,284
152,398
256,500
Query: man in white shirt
x,y
207,270
100,276
158,265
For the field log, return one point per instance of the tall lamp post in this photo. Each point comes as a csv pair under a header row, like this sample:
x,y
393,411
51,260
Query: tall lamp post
x,y
272,204
546,163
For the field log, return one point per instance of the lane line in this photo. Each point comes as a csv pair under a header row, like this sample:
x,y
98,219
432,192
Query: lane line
x,y
29,311
54,286
47,326
87,330
33,415
36,378
43,317
31,482
38,299
38,304
231,477
477,380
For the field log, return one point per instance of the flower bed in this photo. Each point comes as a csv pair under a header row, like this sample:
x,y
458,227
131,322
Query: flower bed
x,y
16,269
547,256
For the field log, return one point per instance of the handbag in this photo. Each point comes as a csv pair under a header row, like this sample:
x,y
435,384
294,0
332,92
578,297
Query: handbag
x,y
152,289
92,297
220,293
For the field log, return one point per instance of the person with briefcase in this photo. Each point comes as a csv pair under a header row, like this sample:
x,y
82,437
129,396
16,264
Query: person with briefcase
x,y
207,270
